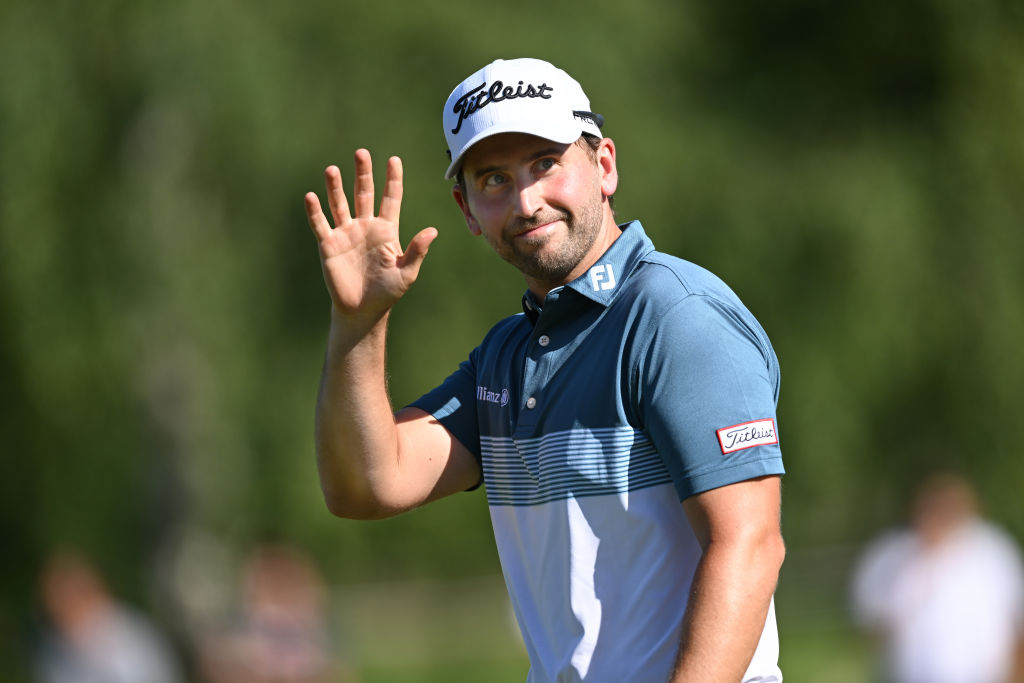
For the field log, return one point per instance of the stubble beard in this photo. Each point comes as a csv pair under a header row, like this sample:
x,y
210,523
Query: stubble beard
x,y
552,265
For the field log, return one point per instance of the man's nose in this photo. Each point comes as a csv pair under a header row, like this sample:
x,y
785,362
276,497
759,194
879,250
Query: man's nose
x,y
529,199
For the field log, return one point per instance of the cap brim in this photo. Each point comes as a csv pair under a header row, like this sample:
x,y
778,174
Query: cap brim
x,y
565,135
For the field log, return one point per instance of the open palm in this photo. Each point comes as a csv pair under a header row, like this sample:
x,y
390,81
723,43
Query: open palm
x,y
364,266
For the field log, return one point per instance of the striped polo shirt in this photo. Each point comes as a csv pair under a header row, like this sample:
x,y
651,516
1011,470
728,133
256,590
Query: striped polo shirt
x,y
593,415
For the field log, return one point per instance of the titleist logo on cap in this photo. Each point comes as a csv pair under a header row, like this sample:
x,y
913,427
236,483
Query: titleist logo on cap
x,y
534,98
479,97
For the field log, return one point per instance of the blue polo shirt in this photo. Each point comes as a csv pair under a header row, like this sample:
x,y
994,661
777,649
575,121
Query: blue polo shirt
x,y
594,414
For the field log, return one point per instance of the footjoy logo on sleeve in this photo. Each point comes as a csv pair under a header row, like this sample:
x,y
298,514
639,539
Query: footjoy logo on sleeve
x,y
747,435
602,277
488,396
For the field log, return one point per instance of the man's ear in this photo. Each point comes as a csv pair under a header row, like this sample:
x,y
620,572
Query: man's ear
x,y
460,199
606,163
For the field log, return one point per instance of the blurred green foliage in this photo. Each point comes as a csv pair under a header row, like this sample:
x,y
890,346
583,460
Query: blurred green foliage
x,y
853,171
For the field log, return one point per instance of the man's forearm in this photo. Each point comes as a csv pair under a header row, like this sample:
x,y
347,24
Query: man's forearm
x,y
1018,671
725,617
356,438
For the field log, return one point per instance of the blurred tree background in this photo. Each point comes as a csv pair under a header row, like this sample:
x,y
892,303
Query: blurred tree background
x,y
854,171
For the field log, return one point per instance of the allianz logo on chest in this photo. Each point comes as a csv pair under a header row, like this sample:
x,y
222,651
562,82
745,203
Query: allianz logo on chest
x,y
489,396
602,277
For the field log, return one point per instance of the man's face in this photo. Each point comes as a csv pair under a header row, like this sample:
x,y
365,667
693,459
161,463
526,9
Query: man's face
x,y
540,204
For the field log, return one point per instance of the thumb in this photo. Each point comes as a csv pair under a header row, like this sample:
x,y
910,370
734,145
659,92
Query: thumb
x,y
413,257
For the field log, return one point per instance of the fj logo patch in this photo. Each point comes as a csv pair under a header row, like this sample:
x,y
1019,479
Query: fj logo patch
x,y
747,435
602,277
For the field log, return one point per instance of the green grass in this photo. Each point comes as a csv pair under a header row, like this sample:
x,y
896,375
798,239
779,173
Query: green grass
x,y
492,670
426,631
829,654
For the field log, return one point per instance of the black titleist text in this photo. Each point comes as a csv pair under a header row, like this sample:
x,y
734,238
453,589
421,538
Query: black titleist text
x,y
480,96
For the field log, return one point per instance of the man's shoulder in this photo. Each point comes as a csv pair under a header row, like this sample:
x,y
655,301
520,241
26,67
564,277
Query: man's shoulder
x,y
668,279
989,537
666,268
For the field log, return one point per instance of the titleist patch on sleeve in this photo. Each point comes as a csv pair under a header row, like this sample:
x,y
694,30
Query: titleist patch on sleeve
x,y
747,435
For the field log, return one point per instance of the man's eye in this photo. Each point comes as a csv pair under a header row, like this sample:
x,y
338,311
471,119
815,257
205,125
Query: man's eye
x,y
494,179
546,164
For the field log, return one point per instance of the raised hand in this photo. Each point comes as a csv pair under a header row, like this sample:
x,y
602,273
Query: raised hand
x,y
364,266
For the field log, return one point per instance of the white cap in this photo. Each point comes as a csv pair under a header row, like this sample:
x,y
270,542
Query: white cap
x,y
516,96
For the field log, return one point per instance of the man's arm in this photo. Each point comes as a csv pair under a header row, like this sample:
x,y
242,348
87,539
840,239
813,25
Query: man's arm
x,y
738,527
1018,664
373,463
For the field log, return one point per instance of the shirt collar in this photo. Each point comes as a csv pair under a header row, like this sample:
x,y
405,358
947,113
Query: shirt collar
x,y
530,307
602,280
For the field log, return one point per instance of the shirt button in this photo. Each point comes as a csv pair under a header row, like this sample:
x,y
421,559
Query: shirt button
x,y
531,402
544,340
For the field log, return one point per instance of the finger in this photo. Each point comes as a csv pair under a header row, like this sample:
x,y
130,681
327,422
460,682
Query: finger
x,y
336,198
315,215
363,192
413,257
391,202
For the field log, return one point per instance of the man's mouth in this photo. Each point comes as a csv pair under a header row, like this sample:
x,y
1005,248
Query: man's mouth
x,y
537,227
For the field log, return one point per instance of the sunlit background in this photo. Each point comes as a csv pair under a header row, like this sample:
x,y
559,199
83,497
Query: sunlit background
x,y
855,171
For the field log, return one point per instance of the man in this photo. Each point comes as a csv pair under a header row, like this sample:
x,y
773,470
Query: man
x,y
944,596
632,381
91,635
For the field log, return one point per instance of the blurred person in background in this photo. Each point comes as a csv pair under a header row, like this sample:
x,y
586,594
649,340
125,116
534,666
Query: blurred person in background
x,y
281,632
944,598
93,638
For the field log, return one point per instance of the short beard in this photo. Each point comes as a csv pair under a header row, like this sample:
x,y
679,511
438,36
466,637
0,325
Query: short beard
x,y
553,266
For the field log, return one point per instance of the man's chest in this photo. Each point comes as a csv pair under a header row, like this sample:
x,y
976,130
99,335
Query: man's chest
x,y
554,377
554,417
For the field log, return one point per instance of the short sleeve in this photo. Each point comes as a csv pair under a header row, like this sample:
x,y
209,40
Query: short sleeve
x,y
709,383
453,404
